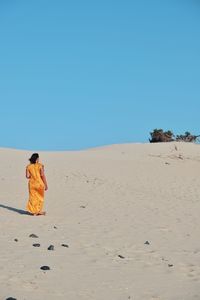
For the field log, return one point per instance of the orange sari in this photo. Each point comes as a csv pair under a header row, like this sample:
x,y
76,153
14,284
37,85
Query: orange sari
x,y
36,189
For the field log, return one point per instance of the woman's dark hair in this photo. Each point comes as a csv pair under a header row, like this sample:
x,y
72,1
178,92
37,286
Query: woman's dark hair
x,y
34,158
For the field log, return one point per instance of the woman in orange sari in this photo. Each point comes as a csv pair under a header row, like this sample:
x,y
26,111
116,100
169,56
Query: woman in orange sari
x,y
37,186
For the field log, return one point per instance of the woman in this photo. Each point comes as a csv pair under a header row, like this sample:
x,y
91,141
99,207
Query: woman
x,y
37,185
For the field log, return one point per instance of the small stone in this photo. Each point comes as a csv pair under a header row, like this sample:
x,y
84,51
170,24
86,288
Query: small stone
x,y
11,298
120,256
36,245
34,236
170,265
167,163
65,245
147,243
82,206
16,240
45,268
51,247
55,227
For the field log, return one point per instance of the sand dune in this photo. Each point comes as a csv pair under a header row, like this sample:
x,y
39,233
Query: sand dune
x,y
129,214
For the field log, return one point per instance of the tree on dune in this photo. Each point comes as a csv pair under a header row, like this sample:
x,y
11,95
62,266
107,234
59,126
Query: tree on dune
x,y
159,135
187,137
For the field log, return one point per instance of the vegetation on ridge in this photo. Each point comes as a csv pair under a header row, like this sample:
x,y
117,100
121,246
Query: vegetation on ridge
x,y
159,135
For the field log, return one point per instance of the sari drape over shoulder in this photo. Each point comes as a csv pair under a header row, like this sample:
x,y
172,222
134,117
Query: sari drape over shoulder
x,y
36,189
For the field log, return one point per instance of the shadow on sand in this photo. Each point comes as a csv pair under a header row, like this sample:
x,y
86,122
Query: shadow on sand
x,y
19,211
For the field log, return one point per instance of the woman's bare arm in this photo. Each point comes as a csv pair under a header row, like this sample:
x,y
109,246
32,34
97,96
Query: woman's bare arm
x,y
27,174
44,178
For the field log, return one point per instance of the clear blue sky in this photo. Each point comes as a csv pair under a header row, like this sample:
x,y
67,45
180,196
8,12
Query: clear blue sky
x,y
78,74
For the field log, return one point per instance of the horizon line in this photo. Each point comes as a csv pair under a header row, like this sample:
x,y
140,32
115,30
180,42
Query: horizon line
x,y
92,148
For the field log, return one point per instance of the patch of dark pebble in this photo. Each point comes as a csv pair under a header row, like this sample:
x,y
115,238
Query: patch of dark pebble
x,y
45,268
65,245
170,265
36,245
55,227
16,240
51,247
34,236
11,298
147,243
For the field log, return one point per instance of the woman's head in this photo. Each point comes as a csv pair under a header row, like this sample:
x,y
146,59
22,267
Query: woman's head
x,y
34,158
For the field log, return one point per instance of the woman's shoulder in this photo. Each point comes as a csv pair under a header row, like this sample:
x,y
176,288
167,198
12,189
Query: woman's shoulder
x,y
40,165
28,166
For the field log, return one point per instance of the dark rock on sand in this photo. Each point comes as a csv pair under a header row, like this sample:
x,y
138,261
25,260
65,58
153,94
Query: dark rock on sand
x,y
120,256
34,236
55,227
16,240
65,245
51,247
170,265
45,268
36,245
11,298
147,243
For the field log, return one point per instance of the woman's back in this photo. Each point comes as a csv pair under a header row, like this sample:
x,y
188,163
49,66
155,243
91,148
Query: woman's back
x,y
35,171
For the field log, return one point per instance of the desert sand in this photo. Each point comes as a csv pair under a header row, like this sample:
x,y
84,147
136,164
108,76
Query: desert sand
x,y
130,215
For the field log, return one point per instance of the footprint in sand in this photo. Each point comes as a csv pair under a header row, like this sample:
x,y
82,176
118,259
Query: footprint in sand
x,y
190,271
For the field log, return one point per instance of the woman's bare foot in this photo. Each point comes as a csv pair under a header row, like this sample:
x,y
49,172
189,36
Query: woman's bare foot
x,y
42,213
